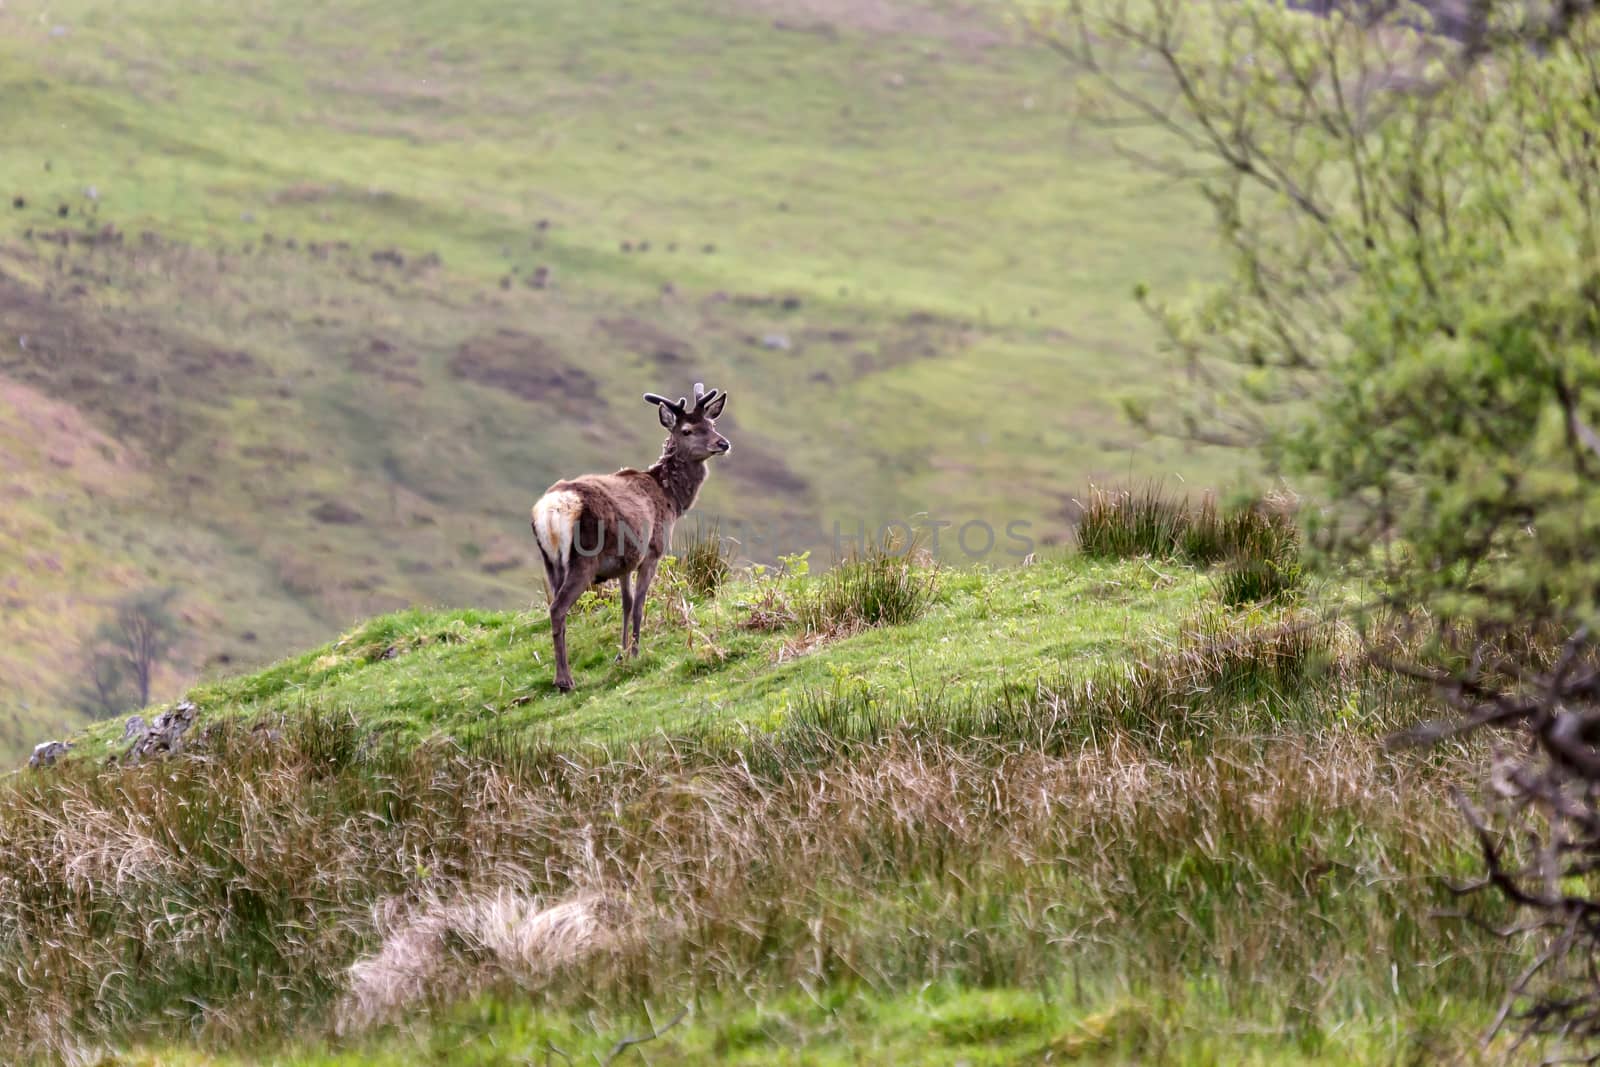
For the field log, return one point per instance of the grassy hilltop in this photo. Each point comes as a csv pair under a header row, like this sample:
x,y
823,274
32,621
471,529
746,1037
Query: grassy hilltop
x,y
302,303
1095,809
475,673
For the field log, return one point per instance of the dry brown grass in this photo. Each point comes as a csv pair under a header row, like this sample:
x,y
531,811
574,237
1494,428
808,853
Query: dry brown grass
x,y
281,883
470,936
771,609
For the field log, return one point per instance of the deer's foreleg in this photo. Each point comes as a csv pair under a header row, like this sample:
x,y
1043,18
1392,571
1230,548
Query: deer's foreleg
x,y
626,582
641,589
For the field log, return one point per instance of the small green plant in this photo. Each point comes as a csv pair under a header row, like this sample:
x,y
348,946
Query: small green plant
x,y
602,599
772,606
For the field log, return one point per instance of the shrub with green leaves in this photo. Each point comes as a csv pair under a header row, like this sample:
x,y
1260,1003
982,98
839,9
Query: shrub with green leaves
x,y
1411,319
1410,200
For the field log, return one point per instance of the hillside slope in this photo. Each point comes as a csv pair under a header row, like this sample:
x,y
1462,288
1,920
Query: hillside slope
x,y
341,287
1077,811
477,675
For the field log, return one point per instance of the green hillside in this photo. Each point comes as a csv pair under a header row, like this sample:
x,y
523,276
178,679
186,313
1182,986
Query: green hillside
x,y
1079,811
475,674
301,304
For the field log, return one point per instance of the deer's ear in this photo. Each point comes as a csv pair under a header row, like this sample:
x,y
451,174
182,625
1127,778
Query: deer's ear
x,y
714,409
668,418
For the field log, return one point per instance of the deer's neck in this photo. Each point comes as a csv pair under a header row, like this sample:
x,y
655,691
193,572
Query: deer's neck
x,y
680,477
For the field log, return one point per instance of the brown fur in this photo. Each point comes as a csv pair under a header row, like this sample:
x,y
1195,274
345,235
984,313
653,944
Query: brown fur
x,y
624,521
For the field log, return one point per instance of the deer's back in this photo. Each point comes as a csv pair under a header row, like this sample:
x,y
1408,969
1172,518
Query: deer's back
x,y
621,512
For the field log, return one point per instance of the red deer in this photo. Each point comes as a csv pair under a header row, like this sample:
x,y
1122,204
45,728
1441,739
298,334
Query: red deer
x,y
603,526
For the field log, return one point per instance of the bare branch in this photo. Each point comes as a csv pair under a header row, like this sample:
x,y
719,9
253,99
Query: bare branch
x,y
629,1042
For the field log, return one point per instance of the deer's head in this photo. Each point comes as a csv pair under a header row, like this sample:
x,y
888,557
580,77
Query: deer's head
x,y
693,429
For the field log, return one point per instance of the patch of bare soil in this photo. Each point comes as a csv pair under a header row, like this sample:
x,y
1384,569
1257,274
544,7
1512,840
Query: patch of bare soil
x,y
336,513
59,434
381,359
501,554
523,365
647,339
125,374
967,25
304,193
762,468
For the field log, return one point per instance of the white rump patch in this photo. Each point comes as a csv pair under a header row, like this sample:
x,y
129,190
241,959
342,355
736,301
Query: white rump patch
x,y
555,518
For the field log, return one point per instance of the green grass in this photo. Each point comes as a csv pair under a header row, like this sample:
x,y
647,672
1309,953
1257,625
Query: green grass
x,y
938,1027
1258,541
957,334
474,673
705,558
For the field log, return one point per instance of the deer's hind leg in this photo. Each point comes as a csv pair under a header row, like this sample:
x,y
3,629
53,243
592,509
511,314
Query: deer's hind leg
x,y
626,582
552,578
578,578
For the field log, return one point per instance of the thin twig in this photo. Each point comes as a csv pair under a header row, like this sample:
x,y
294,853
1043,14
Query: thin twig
x,y
628,1042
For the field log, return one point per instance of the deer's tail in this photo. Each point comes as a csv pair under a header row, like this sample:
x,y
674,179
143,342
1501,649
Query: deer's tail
x,y
555,521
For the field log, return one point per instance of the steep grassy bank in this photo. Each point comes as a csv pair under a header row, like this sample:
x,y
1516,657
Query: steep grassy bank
x,y
1076,811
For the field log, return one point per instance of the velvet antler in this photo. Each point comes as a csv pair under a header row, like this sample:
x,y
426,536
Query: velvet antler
x,y
677,408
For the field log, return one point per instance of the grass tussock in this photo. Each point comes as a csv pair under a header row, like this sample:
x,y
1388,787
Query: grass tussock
x,y
705,559
1129,524
891,583
1258,544
1249,580
1136,828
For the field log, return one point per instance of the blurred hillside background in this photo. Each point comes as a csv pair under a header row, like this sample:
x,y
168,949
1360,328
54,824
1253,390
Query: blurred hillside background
x,y
303,304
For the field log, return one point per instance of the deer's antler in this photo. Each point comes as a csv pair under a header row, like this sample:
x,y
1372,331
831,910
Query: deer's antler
x,y
680,408
702,398
677,408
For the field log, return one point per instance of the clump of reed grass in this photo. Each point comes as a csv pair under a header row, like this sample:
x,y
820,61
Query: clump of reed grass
x,y
705,559
1256,580
891,583
1257,543
1132,523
